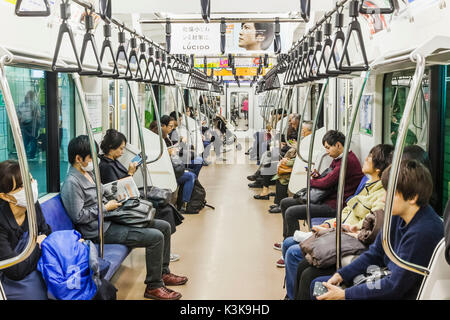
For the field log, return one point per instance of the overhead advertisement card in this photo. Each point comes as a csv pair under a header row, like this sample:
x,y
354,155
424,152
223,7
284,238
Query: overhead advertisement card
x,y
195,38
204,39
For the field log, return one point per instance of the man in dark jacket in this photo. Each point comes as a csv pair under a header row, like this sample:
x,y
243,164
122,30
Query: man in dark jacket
x,y
416,229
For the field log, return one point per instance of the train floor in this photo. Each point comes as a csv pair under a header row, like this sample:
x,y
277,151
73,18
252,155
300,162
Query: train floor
x,y
227,253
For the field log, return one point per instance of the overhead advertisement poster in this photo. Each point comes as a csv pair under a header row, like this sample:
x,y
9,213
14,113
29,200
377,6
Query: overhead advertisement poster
x,y
204,39
195,38
254,37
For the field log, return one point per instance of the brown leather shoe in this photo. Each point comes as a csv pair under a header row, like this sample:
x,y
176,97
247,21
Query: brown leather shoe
x,y
171,279
161,293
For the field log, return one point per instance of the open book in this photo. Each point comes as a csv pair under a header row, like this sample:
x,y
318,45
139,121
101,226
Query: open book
x,y
122,190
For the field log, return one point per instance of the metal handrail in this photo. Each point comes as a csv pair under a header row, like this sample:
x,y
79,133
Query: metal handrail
x,y
158,120
141,141
319,107
98,183
24,170
300,125
343,171
393,174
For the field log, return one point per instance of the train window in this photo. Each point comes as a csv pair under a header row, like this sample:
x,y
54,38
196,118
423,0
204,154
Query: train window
x,y
345,102
66,110
446,165
396,89
28,89
112,103
123,108
148,107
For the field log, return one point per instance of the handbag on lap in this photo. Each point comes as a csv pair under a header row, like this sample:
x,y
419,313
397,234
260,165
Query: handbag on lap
x,y
134,212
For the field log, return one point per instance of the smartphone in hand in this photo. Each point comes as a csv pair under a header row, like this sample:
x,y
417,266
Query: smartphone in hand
x,y
137,159
319,289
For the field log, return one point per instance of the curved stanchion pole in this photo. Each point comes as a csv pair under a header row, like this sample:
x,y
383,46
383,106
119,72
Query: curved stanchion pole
x,y
343,172
273,122
282,115
319,107
289,112
393,174
158,120
98,183
24,170
175,104
195,122
141,141
300,125
189,142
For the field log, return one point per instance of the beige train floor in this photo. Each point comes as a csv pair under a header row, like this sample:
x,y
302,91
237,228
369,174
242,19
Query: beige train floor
x,y
227,253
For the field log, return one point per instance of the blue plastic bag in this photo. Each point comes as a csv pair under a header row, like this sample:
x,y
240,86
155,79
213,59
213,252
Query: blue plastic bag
x,y
64,265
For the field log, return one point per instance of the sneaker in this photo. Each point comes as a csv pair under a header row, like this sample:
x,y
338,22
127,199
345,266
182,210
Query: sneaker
x,y
252,177
280,263
174,257
277,246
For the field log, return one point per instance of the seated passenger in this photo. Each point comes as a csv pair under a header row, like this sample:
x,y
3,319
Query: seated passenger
x,y
282,178
79,197
416,229
184,177
291,208
14,236
282,184
185,151
113,146
306,273
370,199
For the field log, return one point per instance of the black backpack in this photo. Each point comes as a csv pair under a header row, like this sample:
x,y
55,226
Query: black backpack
x,y
198,199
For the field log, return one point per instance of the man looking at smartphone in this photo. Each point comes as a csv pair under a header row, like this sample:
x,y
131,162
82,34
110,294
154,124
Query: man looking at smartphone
x,y
293,210
416,229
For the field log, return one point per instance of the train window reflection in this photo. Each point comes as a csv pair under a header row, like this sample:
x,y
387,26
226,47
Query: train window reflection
x,y
396,89
66,123
28,89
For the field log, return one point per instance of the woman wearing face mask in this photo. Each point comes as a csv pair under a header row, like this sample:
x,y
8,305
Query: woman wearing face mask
x,y
14,234
79,197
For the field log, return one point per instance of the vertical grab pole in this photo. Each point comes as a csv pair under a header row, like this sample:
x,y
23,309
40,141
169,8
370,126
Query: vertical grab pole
x,y
141,142
24,170
283,113
196,125
343,171
98,183
158,120
187,128
311,148
393,173
300,125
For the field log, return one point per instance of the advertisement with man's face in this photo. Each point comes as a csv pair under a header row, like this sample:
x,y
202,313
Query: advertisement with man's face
x,y
201,39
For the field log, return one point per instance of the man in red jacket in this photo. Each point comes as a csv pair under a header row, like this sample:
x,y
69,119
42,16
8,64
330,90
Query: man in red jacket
x,y
333,141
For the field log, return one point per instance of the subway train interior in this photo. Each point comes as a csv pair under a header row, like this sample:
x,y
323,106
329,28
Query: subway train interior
x,y
242,150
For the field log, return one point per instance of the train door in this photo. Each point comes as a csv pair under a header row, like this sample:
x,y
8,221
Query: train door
x,y
239,106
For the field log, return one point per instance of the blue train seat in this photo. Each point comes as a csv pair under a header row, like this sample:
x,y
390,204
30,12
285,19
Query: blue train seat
x,y
56,217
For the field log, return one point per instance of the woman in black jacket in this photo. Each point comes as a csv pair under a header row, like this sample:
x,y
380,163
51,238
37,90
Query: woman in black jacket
x,y
113,146
14,235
